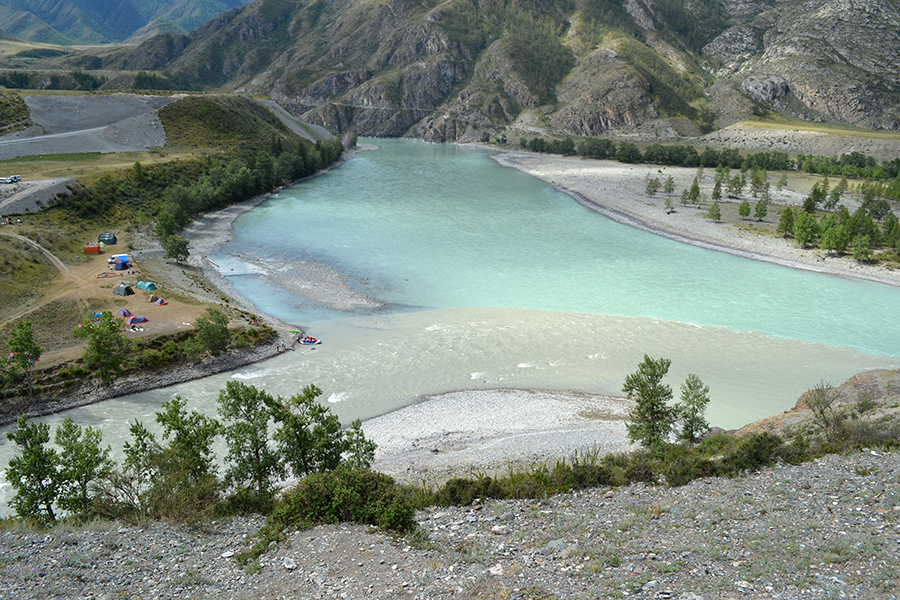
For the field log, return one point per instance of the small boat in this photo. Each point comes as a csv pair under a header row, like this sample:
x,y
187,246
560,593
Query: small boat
x,y
308,341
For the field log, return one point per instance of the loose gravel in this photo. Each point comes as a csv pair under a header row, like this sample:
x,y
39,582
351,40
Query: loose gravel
x,y
827,529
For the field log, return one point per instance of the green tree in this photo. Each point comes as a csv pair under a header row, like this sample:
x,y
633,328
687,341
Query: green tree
x,y
309,436
212,332
717,191
83,463
761,210
192,435
34,474
715,212
668,206
176,247
246,415
24,353
651,419
735,186
782,183
359,451
744,209
862,248
691,409
685,199
835,236
694,193
786,222
652,186
105,346
165,226
805,228
669,185
128,491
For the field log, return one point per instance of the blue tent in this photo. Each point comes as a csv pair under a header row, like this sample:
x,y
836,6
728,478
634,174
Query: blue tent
x,y
121,265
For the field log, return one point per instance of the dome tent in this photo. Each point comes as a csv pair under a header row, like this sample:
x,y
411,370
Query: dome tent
x,y
122,290
124,312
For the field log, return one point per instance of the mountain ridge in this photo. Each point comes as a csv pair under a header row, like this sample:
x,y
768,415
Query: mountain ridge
x,y
70,22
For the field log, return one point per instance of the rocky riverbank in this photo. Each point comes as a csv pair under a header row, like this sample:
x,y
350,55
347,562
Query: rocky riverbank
x,y
820,530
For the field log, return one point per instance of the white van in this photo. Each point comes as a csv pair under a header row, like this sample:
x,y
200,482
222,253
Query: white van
x,y
116,258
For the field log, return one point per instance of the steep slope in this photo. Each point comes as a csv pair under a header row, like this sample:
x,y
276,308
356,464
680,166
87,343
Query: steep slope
x,y
98,21
466,70
822,60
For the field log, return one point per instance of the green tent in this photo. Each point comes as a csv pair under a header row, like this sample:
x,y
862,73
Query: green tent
x,y
122,290
146,285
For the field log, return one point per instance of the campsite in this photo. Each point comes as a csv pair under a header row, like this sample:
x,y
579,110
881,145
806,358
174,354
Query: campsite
x,y
88,285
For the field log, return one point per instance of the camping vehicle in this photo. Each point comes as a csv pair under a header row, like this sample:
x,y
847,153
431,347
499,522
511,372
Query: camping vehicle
x,y
117,258
10,179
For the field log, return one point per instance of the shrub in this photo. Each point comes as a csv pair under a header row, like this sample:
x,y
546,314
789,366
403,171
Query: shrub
x,y
751,452
460,491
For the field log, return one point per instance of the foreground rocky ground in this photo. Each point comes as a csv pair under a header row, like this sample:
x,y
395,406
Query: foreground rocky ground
x,y
827,529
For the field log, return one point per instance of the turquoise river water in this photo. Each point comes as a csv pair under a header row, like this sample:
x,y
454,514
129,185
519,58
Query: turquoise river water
x,y
491,278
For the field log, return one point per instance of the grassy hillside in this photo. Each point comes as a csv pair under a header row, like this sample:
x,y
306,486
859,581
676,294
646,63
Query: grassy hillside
x,y
225,122
13,113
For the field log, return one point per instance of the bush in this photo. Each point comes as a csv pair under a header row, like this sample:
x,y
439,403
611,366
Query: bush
x,y
752,452
460,492
344,495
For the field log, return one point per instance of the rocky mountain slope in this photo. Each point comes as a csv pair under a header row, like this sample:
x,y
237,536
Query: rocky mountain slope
x,y
95,21
463,70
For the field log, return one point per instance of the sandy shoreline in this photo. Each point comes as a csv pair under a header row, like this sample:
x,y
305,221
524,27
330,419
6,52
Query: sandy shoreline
x,y
616,191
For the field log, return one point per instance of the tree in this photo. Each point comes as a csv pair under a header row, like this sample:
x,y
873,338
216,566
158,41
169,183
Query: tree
x,y
358,450
715,212
692,408
668,206
246,415
805,228
684,197
862,248
717,191
744,209
309,436
761,210
782,183
786,222
669,185
192,436
652,186
34,474
105,347
735,185
212,332
651,419
176,247
24,353
83,462
694,193
130,487
165,225
835,237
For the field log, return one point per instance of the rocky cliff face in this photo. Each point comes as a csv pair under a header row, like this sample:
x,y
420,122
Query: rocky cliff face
x,y
460,70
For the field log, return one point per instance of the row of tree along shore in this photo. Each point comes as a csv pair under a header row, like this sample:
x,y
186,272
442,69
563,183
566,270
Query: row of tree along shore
x,y
177,477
